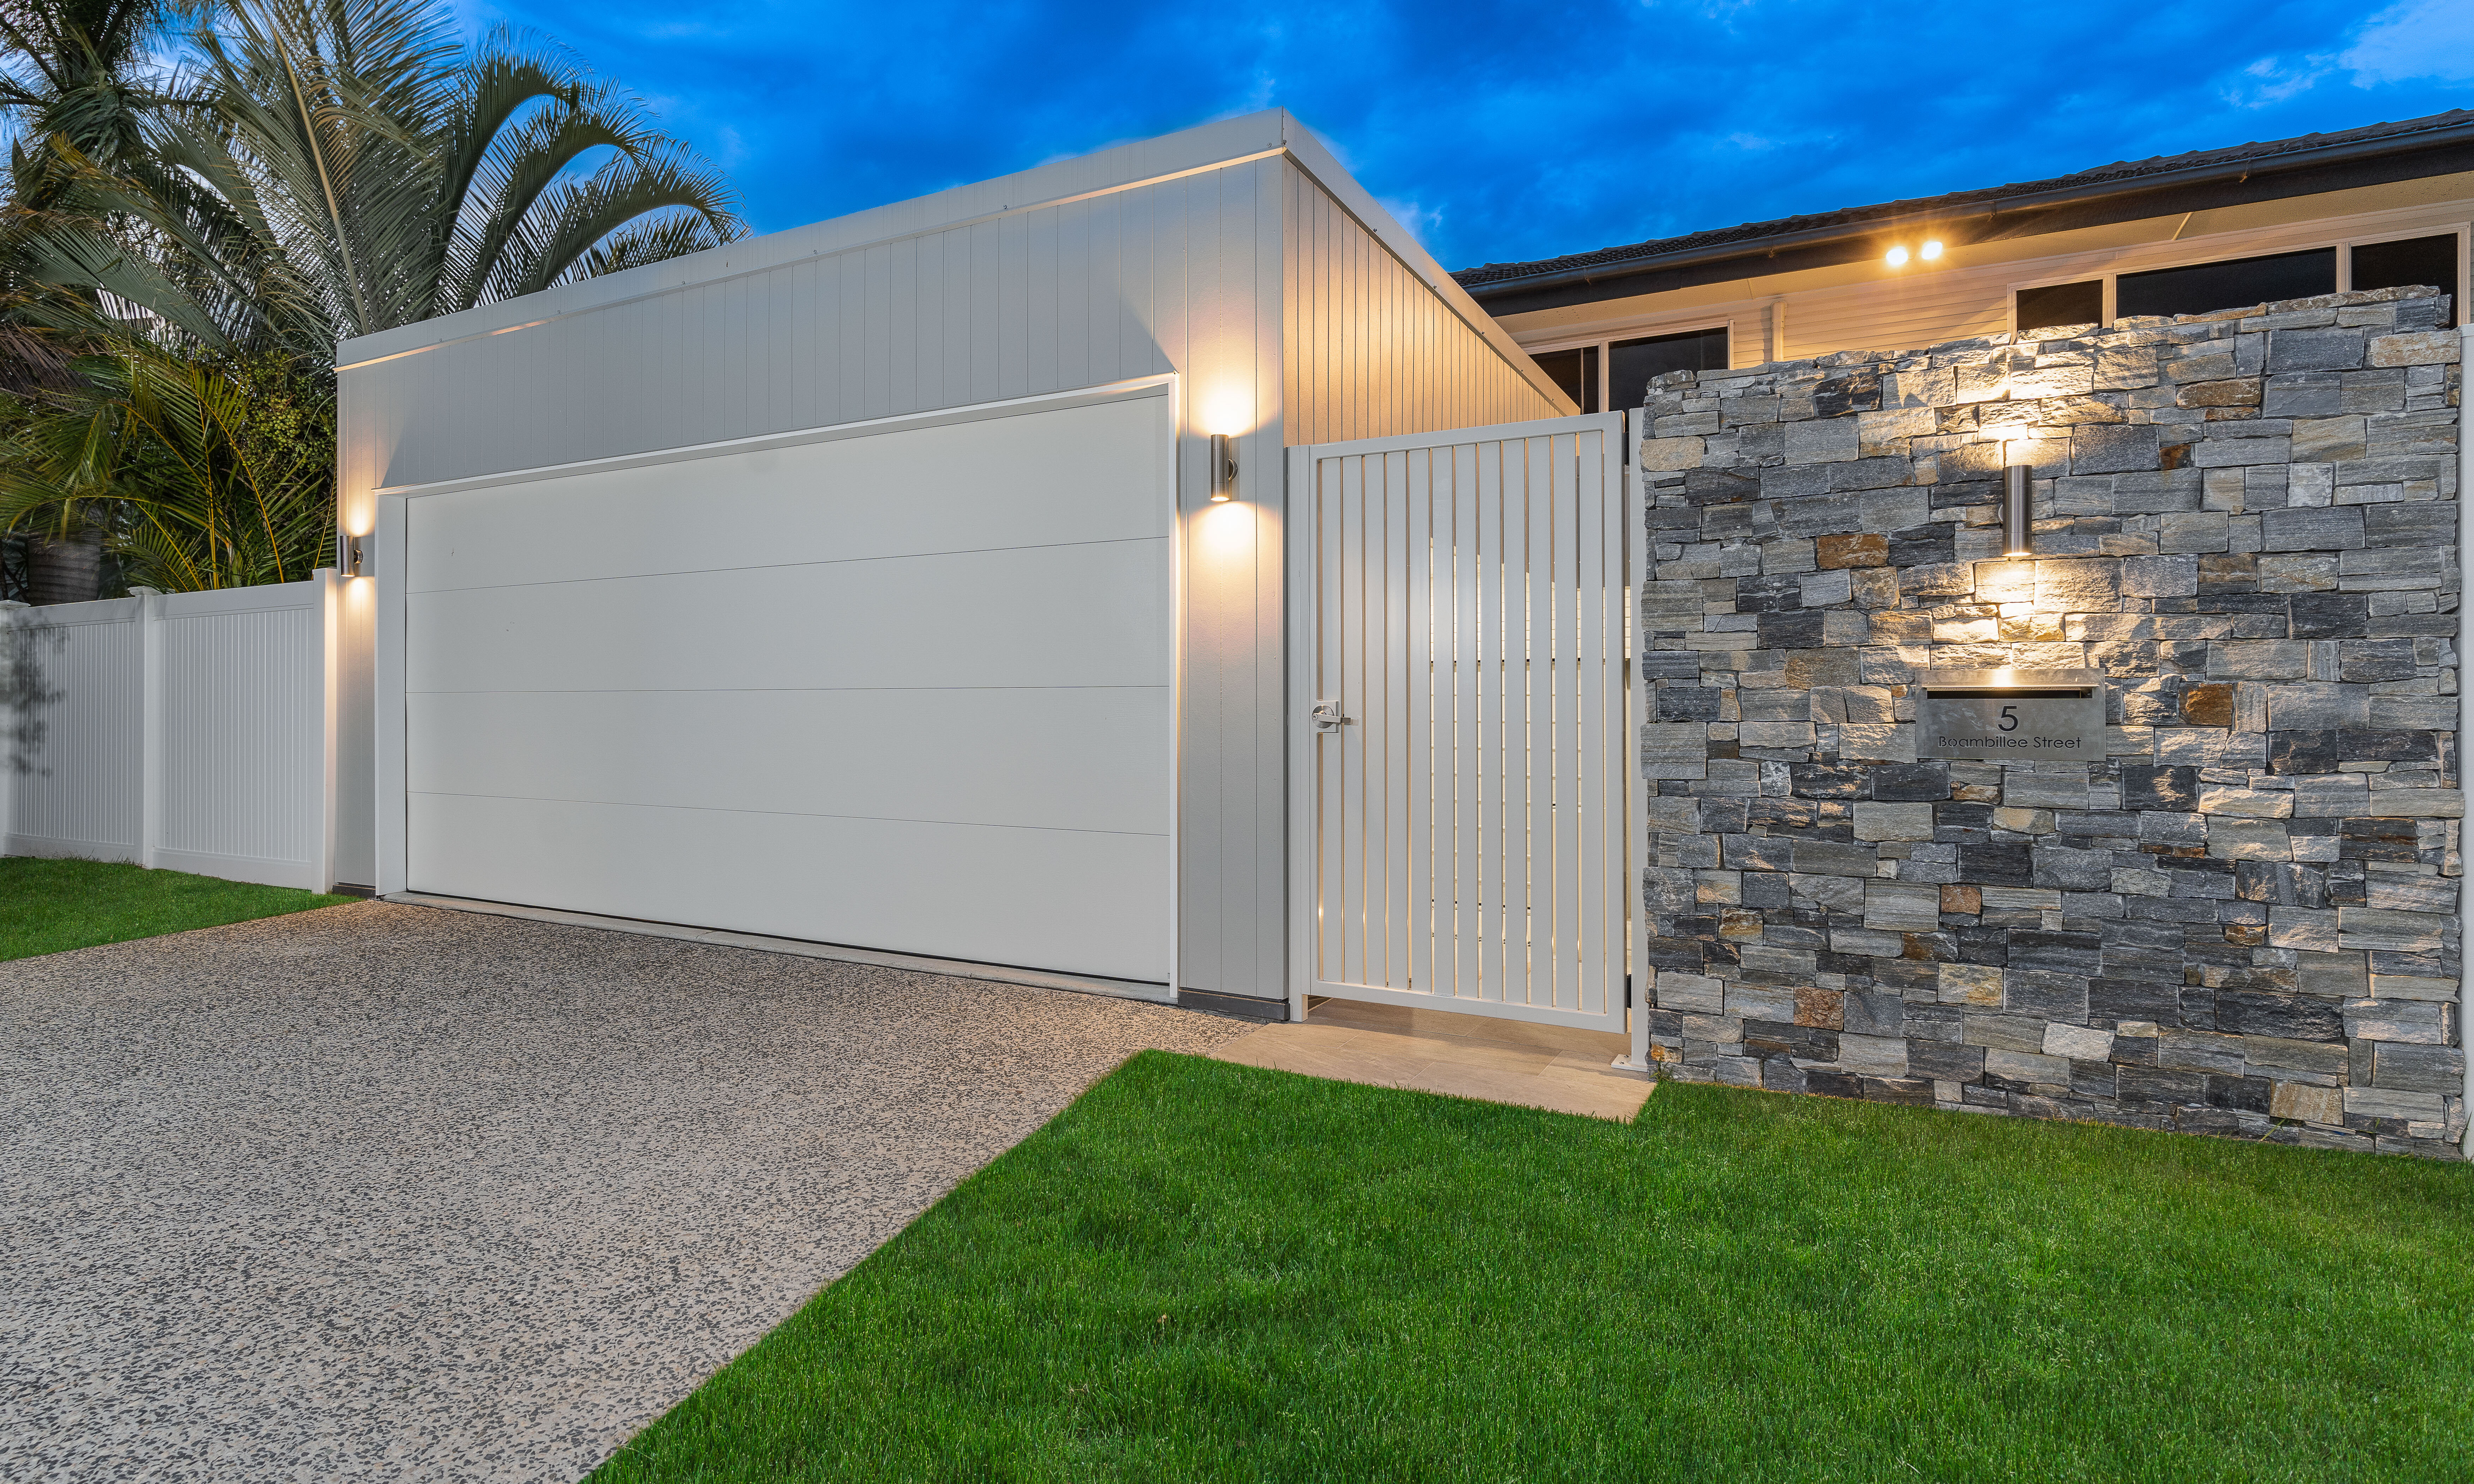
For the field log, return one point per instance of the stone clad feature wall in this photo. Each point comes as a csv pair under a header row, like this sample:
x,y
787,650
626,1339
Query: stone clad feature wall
x,y
2242,920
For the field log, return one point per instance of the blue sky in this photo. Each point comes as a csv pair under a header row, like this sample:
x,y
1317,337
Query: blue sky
x,y
1505,131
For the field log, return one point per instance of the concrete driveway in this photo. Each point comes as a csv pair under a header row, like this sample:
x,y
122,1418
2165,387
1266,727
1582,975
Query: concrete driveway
x,y
399,1192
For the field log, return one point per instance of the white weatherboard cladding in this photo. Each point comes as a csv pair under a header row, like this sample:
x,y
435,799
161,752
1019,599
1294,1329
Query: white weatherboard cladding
x,y
1925,305
907,690
1927,308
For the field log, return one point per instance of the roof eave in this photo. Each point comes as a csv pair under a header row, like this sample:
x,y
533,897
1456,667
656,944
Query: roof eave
x,y
2437,137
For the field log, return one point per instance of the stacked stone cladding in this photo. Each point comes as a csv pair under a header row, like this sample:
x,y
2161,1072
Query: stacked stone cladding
x,y
2243,921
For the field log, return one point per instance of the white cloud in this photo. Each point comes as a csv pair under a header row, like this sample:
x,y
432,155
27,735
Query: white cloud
x,y
2409,41
2418,39
1417,218
2273,80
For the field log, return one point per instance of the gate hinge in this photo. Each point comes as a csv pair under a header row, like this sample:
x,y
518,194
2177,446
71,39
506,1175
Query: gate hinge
x,y
1624,434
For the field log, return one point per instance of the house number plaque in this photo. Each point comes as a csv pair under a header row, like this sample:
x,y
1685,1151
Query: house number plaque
x,y
2011,715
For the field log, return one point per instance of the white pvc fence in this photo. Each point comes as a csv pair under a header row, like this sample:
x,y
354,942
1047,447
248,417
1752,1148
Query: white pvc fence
x,y
191,730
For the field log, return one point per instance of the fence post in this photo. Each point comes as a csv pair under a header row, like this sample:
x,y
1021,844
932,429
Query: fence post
x,y
150,725
330,628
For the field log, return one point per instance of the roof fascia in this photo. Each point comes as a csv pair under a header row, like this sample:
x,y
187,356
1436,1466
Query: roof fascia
x,y
1814,246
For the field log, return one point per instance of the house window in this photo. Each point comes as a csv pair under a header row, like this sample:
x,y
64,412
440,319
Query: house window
x,y
1576,372
2061,304
2394,265
2204,287
1632,362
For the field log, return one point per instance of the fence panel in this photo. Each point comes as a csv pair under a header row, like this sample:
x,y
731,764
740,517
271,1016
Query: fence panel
x,y
75,756
193,732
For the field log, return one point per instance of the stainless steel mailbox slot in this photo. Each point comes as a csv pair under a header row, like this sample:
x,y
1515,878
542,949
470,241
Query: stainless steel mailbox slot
x,y
2011,715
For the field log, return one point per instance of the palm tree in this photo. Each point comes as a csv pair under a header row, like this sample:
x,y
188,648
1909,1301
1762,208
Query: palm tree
x,y
82,71
181,449
78,84
350,167
362,169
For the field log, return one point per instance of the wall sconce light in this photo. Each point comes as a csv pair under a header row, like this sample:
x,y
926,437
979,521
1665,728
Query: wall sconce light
x,y
351,556
1223,467
1932,250
2018,535
1898,256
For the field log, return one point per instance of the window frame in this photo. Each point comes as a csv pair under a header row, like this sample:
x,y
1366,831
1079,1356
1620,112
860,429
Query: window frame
x,y
1604,340
2343,246
1559,347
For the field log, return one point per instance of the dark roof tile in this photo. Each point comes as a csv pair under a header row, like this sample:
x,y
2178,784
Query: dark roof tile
x,y
2126,172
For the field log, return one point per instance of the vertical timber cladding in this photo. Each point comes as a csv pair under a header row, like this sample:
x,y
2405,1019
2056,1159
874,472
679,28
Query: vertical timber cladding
x,y
2239,916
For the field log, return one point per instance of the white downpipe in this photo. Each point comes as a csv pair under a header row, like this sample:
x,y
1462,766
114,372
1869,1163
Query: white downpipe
x,y
2465,644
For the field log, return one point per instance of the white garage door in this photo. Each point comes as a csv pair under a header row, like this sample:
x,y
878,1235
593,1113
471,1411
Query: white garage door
x,y
908,689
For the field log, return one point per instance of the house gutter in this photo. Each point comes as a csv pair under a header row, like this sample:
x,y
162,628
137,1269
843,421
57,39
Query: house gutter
x,y
1845,231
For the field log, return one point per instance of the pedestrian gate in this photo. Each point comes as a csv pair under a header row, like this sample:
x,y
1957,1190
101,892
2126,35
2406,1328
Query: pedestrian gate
x,y
1460,674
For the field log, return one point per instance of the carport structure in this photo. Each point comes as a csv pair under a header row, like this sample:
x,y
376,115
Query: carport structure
x,y
879,582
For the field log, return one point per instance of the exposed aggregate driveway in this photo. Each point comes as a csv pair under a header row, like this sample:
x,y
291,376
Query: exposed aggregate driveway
x,y
391,1191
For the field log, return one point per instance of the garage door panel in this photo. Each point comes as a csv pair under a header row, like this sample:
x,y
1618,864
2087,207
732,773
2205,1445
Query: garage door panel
x,y
1059,615
1073,901
1072,475
1086,759
910,690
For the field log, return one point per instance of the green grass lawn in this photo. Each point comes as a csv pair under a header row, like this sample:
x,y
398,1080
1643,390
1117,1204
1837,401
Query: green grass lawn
x,y
1206,1271
50,905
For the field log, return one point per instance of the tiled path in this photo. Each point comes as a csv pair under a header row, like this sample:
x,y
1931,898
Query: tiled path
x,y
1463,1055
390,1192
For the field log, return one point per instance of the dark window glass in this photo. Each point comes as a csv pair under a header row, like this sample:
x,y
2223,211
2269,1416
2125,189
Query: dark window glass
x,y
2204,287
2061,304
2393,265
1632,362
1576,372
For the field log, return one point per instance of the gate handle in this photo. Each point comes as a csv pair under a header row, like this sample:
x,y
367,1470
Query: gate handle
x,y
1327,718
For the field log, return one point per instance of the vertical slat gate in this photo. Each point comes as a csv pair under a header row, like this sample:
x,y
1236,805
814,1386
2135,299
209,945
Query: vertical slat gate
x,y
1468,804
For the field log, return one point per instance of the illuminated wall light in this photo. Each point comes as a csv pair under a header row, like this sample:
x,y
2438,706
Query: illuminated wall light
x,y
1227,531
2017,533
1223,467
347,555
1932,250
1898,257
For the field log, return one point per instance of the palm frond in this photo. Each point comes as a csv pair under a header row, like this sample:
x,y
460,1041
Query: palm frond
x,y
320,169
643,241
571,219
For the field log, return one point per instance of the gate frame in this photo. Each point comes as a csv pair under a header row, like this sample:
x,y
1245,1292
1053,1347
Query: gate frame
x,y
1303,592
